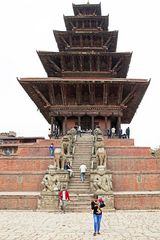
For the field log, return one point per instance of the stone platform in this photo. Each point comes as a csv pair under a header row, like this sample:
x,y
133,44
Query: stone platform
x,y
135,174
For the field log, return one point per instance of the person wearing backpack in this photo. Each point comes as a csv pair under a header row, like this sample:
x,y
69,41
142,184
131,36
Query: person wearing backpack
x,y
96,206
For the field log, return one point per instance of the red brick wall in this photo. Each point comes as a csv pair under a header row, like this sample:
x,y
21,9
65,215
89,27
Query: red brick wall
x,y
136,181
19,202
36,149
146,201
118,142
133,164
128,151
25,164
134,169
11,182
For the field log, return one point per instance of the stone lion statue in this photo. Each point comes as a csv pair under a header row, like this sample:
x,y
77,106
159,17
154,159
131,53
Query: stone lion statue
x,y
101,157
66,145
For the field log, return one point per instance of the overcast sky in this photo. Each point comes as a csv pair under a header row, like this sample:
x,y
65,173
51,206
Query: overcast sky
x,y
27,26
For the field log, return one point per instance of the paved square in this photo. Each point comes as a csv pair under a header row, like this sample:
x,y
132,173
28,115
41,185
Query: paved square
x,y
118,225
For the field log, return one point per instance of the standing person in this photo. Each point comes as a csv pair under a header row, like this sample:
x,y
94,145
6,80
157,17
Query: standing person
x,y
113,132
108,132
51,150
56,131
96,205
79,130
127,132
64,198
68,168
83,170
120,133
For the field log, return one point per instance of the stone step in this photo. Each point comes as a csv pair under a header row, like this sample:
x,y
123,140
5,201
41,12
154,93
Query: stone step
x,y
80,190
76,168
81,159
77,176
73,182
82,153
79,184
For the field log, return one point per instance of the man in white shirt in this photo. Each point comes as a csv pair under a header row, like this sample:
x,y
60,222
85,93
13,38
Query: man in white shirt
x,y
79,130
83,170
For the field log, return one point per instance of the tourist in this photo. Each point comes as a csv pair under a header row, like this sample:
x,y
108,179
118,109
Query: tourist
x,y
56,131
79,130
68,168
127,132
83,170
64,198
51,150
108,132
120,133
96,205
113,132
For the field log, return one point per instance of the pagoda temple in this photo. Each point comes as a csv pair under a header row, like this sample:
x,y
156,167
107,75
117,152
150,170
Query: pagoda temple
x,y
86,81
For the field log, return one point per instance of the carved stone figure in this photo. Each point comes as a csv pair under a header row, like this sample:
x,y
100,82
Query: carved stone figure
x,y
66,145
101,157
102,183
50,180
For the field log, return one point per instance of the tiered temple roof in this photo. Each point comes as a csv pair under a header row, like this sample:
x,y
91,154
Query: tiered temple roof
x,y
87,77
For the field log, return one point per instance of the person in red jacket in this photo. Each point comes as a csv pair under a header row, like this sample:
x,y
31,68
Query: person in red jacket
x,y
64,198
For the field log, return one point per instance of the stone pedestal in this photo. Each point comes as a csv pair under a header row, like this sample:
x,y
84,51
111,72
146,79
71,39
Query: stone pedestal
x,y
49,201
109,201
101,184
53,182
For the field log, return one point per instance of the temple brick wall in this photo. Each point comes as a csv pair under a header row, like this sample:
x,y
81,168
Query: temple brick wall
x,y
137,201
133,163
21,181
128,151
19,202
126,181
118,142
136,181
133,168
25,164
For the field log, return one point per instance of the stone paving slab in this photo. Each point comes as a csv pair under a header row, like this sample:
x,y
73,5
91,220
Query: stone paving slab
x,y
117,225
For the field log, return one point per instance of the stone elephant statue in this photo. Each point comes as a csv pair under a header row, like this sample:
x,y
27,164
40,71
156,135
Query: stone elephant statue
x,y
101,157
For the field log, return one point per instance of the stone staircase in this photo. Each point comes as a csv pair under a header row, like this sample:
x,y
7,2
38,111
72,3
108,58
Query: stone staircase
x,y
80,191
